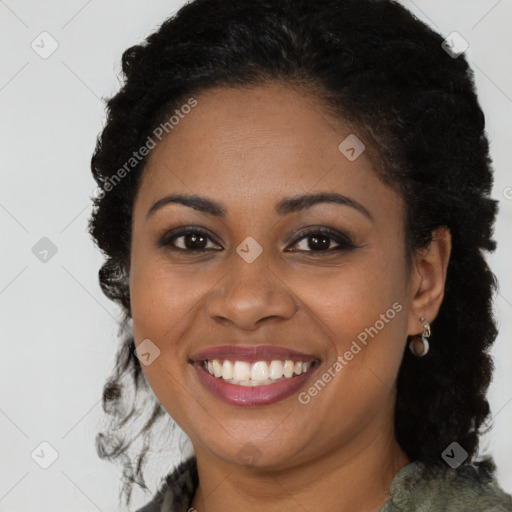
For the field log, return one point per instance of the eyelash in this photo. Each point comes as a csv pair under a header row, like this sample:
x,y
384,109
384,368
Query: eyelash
x,y
342,240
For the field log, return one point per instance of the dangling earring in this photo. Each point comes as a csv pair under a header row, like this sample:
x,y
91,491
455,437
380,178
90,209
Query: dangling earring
x,y
423,339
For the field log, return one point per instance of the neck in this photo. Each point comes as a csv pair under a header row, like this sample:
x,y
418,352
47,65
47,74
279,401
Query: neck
x,y
355,477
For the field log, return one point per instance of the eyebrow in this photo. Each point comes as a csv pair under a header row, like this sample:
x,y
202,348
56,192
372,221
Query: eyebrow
x,y
283,207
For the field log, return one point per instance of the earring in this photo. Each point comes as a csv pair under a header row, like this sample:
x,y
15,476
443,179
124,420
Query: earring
x,y
422,339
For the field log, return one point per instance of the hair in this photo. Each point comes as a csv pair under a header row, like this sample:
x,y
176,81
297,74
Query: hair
x,y
386,72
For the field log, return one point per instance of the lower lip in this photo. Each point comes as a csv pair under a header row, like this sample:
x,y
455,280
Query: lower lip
x,y
254,395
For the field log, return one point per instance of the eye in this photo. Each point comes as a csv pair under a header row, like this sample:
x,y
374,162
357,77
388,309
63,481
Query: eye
x,y
320,241
195,239
190,239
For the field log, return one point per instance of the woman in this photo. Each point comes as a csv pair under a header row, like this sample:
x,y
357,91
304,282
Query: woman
x,y
294,201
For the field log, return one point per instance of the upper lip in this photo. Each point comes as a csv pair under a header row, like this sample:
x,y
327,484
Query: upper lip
x,y
251,353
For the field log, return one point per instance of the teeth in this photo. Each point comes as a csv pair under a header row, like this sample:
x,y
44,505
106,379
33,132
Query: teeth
x,y
227,370
288,369
241,370
259,373
276,370
217,368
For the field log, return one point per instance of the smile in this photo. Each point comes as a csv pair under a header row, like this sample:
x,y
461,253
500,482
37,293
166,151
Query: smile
x,y
253,375
259,373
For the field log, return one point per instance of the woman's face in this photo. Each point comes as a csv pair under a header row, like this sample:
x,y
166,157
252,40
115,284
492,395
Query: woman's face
x,y
338,300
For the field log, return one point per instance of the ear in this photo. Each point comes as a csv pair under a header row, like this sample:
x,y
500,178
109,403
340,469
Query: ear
x,y
428,278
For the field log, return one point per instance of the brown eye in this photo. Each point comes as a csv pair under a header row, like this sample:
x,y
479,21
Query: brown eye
x,y
320,240
193,240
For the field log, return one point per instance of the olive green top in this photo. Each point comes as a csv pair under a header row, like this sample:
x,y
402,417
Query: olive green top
x,y
469,488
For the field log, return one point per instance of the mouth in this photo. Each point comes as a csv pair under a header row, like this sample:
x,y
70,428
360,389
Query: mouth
x,y
258,375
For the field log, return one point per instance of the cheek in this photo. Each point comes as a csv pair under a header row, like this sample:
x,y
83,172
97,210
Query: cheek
x,y
361,309
166,300
355,294
160,302
155,303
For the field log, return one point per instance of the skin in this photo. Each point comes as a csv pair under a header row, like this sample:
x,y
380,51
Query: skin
x,y
247,149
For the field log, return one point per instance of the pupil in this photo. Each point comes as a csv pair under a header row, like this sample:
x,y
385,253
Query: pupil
x,y
315,239
190,240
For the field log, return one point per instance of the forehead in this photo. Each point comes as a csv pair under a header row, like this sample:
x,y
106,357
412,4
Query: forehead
x,y
263,141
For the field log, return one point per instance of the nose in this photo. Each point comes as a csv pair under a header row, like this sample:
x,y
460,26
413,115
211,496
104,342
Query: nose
x,y
249,294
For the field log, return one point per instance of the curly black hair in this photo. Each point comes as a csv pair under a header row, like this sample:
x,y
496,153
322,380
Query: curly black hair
x,y
380,68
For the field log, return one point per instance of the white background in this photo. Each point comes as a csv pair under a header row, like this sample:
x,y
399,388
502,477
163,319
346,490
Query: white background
x,y
58,331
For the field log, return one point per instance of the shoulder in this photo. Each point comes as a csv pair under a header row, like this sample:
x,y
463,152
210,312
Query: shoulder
x,y
468,488
177,491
